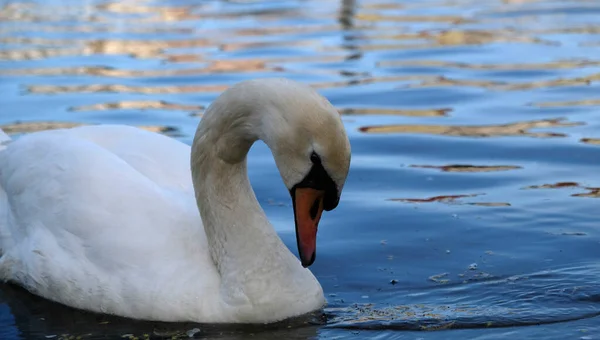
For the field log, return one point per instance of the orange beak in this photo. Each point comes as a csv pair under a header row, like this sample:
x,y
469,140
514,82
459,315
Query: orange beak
x,y
308,207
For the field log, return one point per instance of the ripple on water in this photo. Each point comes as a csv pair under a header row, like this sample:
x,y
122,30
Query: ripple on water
x,y
474,129
550,296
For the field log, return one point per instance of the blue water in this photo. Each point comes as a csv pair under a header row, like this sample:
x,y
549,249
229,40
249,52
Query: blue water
x,y
470,210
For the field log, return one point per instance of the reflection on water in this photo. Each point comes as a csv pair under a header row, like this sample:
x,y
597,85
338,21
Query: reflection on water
x,y
428,91
102,71
28,127
559,64
465,315
504,86
591,191
446,198
139,105
452,199
595,141
584,102
134,48
52,89
513,129
59,322
398,112
469,168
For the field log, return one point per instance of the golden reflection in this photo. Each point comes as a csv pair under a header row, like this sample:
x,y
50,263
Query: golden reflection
x,y
477,37
223,66
378,6
448,19
53,89
551,83
28,127
281,30
583,102
396,112
490,204
38,41
99,13
594,141
238,46
133,7
369,80
142,12
555,11
559,64
40,53
156,13
118,88
593,192
139,105
443,81
451,199
469,168
61,48
33,13
443,198
512,129
587,29
186,58
452,37
504,86
140,48
84,28
554,186
167,14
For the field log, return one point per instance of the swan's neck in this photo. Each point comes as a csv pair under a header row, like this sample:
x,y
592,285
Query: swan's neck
x,y
243,244
234,222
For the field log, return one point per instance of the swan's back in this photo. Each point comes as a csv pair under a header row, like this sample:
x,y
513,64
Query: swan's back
x,y
106,218
83,210
162,159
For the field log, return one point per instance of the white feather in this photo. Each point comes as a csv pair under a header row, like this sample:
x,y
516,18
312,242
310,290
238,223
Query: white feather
x,y
4,140
104,218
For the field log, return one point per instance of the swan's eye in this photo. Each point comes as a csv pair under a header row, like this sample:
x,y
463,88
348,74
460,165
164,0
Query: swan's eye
x,y
318,179
315,158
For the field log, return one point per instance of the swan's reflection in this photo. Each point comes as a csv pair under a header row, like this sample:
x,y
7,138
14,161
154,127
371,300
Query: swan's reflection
x,y
37,318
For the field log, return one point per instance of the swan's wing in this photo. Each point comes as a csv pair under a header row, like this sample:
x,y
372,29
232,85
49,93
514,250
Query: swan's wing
x,y
161,159
89,216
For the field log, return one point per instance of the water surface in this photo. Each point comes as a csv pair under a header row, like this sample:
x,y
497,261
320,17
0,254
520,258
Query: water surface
x,y
470,210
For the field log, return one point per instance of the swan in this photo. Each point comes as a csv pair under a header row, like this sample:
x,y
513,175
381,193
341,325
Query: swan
x,y
117,220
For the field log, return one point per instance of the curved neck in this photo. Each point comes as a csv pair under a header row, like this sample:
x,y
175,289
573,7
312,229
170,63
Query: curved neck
x,y
234,221
255,267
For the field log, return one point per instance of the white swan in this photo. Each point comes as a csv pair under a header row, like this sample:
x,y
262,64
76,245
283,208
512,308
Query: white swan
x,y
103,218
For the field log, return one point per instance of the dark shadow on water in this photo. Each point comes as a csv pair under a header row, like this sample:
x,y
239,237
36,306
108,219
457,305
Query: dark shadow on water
x,y
479,301
485,301
38,318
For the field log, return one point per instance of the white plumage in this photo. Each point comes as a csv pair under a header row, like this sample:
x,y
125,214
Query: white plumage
x,y
104,218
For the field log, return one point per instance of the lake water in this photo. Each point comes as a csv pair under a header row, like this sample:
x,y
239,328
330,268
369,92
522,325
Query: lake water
x,y
471,207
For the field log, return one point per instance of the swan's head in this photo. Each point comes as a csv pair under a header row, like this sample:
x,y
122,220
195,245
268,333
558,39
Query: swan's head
x,y
312,152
